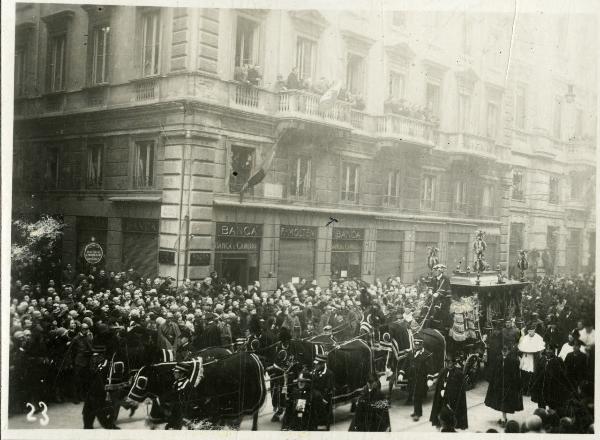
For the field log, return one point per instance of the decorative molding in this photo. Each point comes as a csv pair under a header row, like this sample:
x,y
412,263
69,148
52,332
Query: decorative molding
x,y
356,42
59,19
400,50
307,21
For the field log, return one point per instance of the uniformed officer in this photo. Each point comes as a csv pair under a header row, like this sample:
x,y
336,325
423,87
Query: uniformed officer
x,y
418,367
322,394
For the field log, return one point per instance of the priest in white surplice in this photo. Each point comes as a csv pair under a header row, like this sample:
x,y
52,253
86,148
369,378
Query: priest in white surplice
x,y
530,346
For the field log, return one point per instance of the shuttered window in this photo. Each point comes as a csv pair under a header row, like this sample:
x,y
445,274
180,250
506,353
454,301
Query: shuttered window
x,y
296,259
388,259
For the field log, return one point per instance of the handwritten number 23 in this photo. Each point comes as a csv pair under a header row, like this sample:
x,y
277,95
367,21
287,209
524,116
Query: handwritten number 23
x,y
44,420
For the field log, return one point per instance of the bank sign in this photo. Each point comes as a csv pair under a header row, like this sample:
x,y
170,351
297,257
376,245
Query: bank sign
x,y
247,230
348,234
93,253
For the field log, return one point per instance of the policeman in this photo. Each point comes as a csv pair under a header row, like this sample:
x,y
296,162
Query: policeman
x,y
418,367
322,394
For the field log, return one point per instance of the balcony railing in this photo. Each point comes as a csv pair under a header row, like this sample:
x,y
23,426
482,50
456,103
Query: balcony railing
x,y
306,105
146,89
581,151
470,144
405,128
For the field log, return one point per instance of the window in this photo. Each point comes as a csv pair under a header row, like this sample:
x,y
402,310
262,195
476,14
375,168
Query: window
x,y
94,166
552,237
398,18
520,108
577,186
553,191
487,200
144,164
20,69
51,176
355,74
433,98
247,42
557,118
100,54
300,177
151,49
492,120
460,196
396,85
306,58
56,62
350,182
429,191
517,187
392,189
242,159
464,113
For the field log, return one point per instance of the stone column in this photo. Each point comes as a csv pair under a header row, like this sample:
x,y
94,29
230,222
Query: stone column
x,y
269,252
368,257
114,244
408,255
324,239
69,241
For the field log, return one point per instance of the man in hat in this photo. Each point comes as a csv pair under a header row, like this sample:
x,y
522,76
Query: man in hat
x,y
510,334
297,416
97,402
179,395
168,334
550,386
322,394
419,370
442,282
292,323
504,391
81,352
450,393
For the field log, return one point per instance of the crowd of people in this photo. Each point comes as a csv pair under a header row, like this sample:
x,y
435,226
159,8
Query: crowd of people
x,y
400,106
56,316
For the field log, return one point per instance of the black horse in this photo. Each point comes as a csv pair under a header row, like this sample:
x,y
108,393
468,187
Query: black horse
x,y
232,386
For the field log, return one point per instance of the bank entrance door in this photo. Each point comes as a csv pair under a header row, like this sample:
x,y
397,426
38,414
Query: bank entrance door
x,y
235,269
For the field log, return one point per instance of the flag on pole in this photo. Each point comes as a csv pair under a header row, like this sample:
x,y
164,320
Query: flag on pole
x,y
329,97
260,174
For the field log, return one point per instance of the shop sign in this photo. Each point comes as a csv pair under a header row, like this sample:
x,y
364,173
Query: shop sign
x,y
236,244
93,253
239,230
298,232
348,234
346,246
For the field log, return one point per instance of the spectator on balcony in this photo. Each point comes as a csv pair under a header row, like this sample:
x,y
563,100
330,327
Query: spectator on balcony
x,y
240,73
293,83
359,102
280,84
307,84
254,75
321,86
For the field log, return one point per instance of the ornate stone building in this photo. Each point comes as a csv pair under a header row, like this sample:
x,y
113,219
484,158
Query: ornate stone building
x,y
131,124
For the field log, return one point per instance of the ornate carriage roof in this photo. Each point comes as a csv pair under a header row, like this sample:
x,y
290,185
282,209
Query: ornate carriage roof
x,y
488,282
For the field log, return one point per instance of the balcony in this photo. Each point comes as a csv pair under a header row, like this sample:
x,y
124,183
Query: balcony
x,y
406,129
305,105
581,151
470,144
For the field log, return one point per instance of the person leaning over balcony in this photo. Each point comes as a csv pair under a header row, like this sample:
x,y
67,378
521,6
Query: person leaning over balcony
x,y
292,80
280,84
254,75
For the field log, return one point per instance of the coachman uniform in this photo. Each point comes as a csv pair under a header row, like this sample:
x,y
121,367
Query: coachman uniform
x,y
322,394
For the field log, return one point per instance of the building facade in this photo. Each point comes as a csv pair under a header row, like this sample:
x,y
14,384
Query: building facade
x,y
131,124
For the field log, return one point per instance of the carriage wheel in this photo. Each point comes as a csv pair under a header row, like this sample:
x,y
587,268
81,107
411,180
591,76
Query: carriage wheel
x,y
471,371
